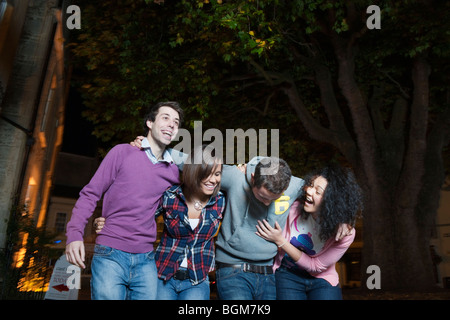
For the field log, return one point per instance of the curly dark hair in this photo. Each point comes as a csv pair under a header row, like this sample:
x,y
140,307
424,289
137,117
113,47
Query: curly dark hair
x,y
342,200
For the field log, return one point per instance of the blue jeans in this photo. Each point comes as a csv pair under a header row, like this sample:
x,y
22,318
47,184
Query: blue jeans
x,y
182,290
119,275
235,284
299,285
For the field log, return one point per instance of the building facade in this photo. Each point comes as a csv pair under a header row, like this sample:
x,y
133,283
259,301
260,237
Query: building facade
x,y
33,90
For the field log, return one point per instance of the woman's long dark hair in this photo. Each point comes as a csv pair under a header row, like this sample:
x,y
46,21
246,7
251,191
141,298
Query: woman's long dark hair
x,y
342,200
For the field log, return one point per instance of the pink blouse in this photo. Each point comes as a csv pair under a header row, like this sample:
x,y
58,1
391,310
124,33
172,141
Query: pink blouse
x,y
323,264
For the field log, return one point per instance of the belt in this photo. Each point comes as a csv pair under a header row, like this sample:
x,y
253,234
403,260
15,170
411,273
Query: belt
x,y
181,275
246,267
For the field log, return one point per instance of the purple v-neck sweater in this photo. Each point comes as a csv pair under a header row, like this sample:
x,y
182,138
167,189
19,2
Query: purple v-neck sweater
x,y
131,186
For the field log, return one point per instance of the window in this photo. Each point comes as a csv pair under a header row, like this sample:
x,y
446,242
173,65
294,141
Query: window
x,y
60,222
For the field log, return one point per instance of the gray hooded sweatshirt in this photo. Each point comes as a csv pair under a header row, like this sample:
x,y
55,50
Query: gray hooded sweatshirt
x,y
237,242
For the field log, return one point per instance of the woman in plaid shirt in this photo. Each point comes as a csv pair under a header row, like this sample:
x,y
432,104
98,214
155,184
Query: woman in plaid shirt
x,y
192,213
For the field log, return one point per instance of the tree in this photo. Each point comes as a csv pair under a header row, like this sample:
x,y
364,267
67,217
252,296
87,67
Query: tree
x,y
126,61
379,97
385,100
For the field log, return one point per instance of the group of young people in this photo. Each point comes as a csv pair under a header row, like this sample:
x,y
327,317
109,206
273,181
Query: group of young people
x,y
278,236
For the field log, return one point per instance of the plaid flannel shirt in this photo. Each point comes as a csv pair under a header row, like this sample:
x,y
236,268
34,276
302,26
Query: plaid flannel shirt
x,y
179,240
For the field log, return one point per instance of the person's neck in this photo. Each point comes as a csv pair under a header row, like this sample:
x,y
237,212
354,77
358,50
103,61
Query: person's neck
x,y
157,148
203,198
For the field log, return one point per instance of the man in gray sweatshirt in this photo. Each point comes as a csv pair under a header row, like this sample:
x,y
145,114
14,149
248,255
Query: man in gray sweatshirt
x,y
244,260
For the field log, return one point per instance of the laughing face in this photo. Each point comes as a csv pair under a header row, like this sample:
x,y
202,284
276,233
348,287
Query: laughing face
x,y
314,195
209,184
165,127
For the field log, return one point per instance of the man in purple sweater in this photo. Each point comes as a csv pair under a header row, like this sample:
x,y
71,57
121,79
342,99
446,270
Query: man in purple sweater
x,y
131,181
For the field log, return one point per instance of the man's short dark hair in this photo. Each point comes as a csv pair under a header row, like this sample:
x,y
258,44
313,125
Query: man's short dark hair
x,y
151,115
273,174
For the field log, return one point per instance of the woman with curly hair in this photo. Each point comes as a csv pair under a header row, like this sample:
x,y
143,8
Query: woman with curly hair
x,y
308,249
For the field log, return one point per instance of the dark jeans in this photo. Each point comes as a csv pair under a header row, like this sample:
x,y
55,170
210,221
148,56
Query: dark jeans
x,y
299,285
236,284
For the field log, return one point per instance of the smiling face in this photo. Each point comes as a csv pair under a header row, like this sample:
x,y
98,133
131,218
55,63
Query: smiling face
x,y
201,180
209,184
165,127
314,195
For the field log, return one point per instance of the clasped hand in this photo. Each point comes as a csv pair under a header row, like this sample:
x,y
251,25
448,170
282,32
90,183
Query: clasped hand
x,y
269,233
99,223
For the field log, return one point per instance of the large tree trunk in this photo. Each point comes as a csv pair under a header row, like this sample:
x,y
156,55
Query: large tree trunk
x,y
397,242
390,165
392,237
378,228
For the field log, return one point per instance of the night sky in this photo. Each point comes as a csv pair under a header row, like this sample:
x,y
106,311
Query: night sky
x,y
77,137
